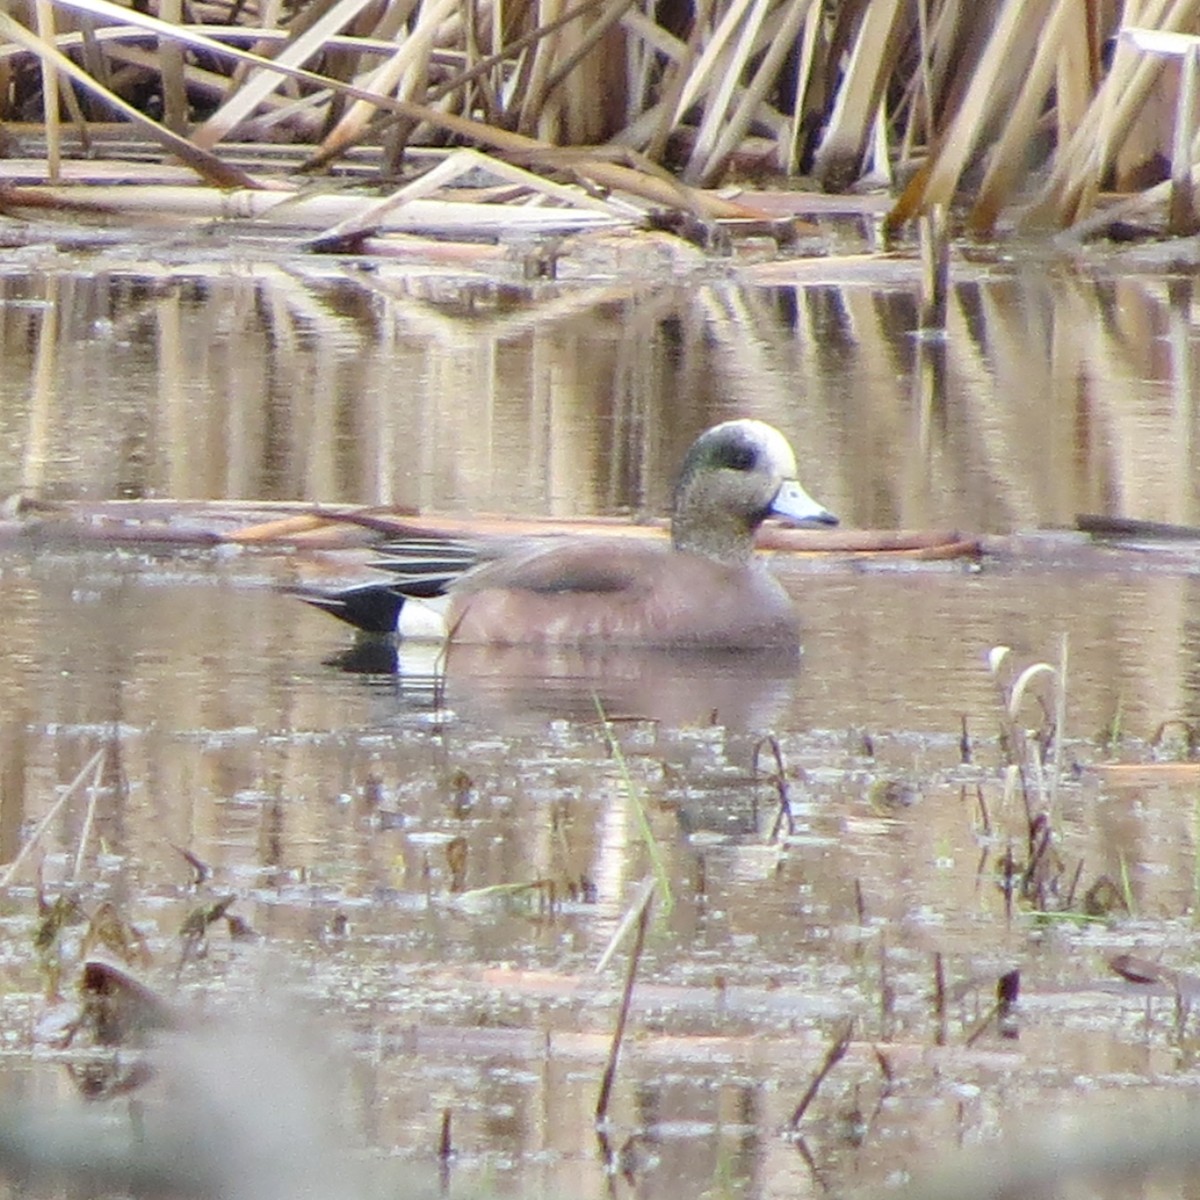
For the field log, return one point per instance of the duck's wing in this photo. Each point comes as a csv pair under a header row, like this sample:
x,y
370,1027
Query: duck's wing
x,y
590,565
420,568
426,566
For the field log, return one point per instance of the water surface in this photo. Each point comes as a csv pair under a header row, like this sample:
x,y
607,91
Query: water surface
x,y
356,816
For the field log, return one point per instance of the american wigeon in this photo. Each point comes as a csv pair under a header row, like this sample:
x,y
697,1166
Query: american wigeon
x,y
704,590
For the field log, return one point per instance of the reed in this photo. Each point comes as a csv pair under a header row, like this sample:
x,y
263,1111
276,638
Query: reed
x,y
1001,108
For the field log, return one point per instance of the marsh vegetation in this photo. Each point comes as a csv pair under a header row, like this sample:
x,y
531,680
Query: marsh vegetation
x,y
1011,110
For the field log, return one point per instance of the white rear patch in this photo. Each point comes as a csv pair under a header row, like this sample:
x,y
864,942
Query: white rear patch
x,y
423,620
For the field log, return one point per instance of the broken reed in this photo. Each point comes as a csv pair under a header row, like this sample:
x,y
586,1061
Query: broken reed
x,y
1042,99
1033,768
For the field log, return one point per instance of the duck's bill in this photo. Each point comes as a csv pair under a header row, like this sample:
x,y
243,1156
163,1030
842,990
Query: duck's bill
x,y
794,504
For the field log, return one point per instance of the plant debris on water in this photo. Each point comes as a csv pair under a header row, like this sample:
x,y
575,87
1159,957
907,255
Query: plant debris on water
x,y
873,934
276,906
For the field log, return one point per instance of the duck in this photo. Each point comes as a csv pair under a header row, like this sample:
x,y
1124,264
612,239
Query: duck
x,y
705,589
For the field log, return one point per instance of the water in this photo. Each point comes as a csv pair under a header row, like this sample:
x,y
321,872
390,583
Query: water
x,y
358,818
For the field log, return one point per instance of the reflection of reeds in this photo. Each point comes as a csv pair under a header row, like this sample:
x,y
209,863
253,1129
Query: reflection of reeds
x,y
960,98
42,393
271,384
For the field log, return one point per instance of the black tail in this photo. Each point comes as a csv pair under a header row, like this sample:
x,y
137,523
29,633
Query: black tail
x,y
371,607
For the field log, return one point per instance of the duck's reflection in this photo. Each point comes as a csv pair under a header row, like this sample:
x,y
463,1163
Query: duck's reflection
x,y
737,689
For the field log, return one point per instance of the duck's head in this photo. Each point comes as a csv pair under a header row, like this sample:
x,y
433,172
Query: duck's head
x,y
735,476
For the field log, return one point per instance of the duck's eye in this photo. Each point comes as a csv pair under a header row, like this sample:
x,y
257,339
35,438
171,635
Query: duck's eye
x,y
737,456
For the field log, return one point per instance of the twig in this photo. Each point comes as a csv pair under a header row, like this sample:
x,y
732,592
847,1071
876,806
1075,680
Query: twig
x,y
641,900
635,956
55,809
634,795
445,1151
887,995
1060,720
779,780
836,1053
984,815
939,997
89,818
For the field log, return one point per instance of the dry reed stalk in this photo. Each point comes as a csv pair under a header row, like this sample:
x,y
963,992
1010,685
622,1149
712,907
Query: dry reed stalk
x,y
1181,220
992,83
609,174
496,46
1140,152
44,11
91,767
533,119
634,175
575,73
501,56
717,104
206,165
651,128
639,911
1078,72
263,82
781,41
1008,158
584,86
643,67
306,210
450,169
880,152
530,59
1078,169
382,21
872,61
171,71
935,270
105,35
8,87
706,65
952,44
809,35
833,1056
402,72
480,95
920,120
198,80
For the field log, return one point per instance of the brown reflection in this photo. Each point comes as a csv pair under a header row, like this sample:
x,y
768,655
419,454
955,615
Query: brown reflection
x,y
14,740
1052,393
310,790
1188,634
488,684
309,797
